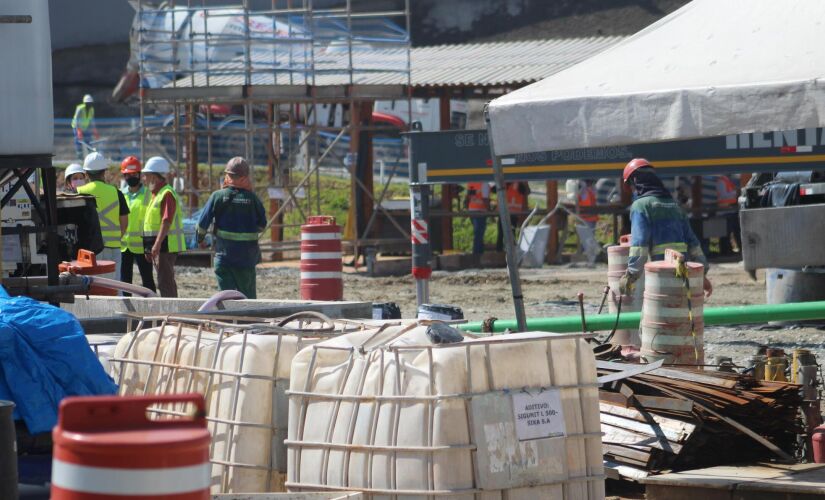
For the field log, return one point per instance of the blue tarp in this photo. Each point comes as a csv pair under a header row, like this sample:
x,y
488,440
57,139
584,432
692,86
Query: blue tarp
x,y
44,357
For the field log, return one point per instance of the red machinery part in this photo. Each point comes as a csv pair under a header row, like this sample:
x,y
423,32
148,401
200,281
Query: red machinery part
x,y
818,444
88,265
321,266
108,447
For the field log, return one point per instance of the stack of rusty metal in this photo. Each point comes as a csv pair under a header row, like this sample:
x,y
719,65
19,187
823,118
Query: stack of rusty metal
x,y
674,418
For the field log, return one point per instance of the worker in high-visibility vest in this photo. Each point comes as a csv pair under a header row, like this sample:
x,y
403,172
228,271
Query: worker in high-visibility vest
x,y
238,217
112,209
516,195
587,198
131,248
163,236
478,200
657,223
727,196
83,124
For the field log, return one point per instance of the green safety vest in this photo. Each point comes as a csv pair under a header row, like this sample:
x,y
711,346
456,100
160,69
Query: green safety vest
x,y
138,202
152,220
82,117
107,211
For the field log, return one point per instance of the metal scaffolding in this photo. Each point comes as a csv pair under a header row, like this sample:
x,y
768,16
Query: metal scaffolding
x,y
251,81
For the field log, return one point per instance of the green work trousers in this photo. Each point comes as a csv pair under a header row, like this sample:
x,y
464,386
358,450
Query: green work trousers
x,y
241,279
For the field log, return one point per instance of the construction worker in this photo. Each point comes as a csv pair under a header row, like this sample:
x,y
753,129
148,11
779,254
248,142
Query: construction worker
x,y
83,122
73,178
727,194
516,194
162,225
131,246
238,216
112,209
587,198
478,200
657,223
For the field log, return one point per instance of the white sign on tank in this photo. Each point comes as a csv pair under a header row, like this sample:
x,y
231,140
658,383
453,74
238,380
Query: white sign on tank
x,y
26,110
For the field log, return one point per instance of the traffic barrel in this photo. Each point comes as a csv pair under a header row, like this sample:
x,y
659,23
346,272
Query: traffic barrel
x,y
321,267
672,311
108,447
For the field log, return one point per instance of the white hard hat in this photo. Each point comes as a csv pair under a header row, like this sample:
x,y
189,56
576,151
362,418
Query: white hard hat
x,y
74,168
95,162
156,165
88,99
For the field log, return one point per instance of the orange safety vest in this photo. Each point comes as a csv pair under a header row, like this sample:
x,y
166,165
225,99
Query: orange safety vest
x,y
475,197
587,198
515,199
726,191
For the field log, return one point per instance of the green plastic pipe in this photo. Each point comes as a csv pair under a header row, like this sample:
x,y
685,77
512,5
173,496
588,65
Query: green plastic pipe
x,y
728,315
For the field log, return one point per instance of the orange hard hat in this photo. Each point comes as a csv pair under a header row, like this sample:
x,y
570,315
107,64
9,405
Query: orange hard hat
x,y
632,166
130,165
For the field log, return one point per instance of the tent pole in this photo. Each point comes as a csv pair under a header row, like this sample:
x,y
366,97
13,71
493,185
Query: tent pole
x,y
507,229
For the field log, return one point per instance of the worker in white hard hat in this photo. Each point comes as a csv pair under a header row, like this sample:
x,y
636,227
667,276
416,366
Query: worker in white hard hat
x,y
83,123
73,177
163,236
112,209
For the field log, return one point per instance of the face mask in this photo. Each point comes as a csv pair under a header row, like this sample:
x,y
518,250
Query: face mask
x,y
78,182
133,181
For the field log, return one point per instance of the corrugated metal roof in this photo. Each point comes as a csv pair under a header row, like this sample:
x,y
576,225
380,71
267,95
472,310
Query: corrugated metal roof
x,y
494,64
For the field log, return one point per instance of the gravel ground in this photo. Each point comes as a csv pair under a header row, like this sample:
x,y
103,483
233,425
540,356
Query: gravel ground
x,y
550,291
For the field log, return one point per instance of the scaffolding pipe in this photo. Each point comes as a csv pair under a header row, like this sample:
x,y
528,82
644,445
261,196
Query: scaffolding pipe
x,y
727,315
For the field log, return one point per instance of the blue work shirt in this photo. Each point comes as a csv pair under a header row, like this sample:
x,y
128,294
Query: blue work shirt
x,y
657,223
238,216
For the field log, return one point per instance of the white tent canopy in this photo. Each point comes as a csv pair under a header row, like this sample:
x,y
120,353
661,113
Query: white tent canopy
x,y
714,67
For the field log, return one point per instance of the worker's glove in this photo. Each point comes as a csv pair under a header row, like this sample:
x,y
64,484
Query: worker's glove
x,y
625,285
79,134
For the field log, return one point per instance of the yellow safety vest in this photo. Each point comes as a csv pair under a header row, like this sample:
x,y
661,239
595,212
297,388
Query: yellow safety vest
x,y
83,117
107,211
138,202
152,221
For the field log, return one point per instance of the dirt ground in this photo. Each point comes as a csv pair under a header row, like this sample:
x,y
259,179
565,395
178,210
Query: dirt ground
x,y
550,291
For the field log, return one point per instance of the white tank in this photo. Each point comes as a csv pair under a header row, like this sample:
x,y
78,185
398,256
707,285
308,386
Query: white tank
x,y
243,376
391,414
26,110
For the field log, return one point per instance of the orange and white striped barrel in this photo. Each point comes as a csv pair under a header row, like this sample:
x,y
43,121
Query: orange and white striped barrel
x,y
321,266
666,325
106,447
617,256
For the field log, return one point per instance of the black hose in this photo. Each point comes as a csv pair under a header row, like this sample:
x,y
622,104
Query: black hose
x,y
616,324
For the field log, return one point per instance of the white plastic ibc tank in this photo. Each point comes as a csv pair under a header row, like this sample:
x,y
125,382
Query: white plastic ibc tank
x,y
243,373
393,415
26,110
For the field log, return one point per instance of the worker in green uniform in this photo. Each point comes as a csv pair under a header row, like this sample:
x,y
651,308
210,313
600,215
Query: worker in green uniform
x,y
162,225
131,247
112,209
238,217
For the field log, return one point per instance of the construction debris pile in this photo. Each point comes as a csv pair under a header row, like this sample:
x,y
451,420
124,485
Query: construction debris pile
x,y
674,418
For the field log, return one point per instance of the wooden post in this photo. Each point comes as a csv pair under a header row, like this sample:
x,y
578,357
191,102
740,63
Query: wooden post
x,y
552,198
361,116
627,200
448,191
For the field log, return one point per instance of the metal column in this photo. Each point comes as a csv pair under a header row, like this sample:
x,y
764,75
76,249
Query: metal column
x,y
507,229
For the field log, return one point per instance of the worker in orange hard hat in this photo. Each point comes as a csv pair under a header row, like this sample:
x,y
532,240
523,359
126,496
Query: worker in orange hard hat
x,y
131,245
657,223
